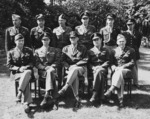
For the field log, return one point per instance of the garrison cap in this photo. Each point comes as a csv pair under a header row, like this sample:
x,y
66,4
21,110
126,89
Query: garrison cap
x,y
120,36
62,17
96,36
73,34
15,16
110,16
131,21
18,36
40,16
85,14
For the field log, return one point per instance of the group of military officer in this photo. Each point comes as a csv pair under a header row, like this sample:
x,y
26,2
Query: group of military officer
x,y
49,51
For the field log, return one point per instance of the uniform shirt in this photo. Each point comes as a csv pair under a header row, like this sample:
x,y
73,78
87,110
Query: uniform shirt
x,y
98,57
109,35
85,34
125,58
78,56
16,59
49,57
36,35
10,37
133,41
62,36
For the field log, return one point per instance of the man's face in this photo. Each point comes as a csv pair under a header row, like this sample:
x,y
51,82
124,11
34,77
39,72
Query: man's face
x,y
16,22
110,21
130,26
97,42
121,42
20,42
41,22
85,20
74,40
46,41
62,21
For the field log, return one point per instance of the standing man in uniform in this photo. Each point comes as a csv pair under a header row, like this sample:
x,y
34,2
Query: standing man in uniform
x,y
37,32
110,33
62,34
11,32
133,38
85,30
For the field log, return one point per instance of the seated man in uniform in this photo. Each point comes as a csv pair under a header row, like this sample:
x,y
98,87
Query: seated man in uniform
x,y
20,62
99,62
74,58
123,62
47,60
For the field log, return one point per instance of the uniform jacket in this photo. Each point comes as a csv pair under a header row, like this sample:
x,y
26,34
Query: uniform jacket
x,y
15,59
10,34
98,57
36,35
109,38
78,57
84,36
125,59
62,36
133,41
51,58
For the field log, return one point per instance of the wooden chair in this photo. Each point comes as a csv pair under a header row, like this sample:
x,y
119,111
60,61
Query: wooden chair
x,y
32,81
128,83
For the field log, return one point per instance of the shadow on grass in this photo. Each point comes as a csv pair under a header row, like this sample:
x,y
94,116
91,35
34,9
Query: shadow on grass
x,y
138,101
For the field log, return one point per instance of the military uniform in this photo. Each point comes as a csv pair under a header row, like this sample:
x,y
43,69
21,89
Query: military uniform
x,y
126,60
62,35
85,34
10,34
99,62
17,59
36,35
50,57
76,60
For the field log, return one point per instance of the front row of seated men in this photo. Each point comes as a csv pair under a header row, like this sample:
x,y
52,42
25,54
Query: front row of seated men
x,y
75,58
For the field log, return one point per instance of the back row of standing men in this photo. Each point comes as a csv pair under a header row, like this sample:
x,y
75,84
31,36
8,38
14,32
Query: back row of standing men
x,y
60,38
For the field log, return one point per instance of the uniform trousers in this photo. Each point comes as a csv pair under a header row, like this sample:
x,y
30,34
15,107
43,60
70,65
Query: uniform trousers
x,y
99,80
24,79
73,77
118,80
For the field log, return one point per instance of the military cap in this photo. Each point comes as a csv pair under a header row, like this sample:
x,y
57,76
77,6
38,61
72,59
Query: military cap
x,y
40,16
120,36
15,16
85,14
96,36
131,21
62,17
73,34
45,36
18,36
110,16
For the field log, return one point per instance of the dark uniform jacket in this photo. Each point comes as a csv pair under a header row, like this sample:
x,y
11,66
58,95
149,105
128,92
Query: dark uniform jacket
x,y
125,59
99,57
108,37
62,36
51,58
84,36
36,35
78,57
15,59
10,35
133,41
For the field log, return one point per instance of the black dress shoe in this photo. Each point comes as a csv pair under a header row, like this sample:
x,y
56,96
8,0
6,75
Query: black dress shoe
x,y
26,108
